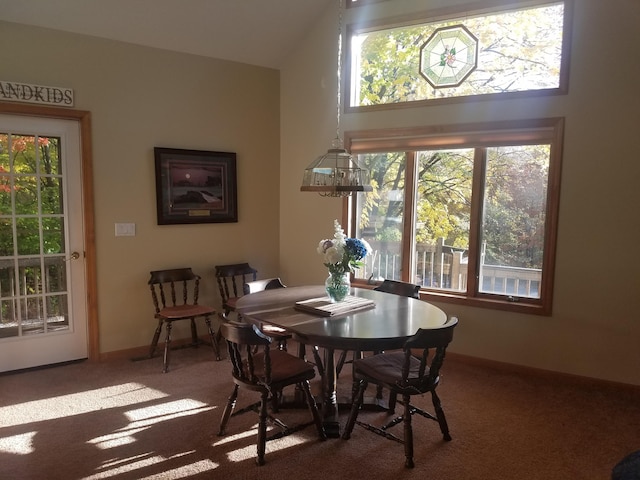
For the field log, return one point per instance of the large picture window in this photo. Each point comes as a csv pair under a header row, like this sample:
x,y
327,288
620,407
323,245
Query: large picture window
x,y
518,51
467,212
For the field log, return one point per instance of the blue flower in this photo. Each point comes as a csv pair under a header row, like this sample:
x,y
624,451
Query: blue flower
x,y
343,254
356,248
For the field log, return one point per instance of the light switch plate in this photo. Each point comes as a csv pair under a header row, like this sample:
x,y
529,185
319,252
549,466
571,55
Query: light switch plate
x,y
125,229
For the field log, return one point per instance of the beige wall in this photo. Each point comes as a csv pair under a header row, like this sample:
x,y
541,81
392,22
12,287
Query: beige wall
x,y
140,98
595,328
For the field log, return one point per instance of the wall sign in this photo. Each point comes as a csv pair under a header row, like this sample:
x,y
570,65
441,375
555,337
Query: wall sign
x,y
27,93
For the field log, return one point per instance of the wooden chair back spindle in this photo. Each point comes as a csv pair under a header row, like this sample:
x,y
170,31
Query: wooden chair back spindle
x,y
413,371
256,367
230,279
165,286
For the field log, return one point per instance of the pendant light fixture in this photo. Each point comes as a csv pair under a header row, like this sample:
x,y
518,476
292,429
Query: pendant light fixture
x,y
336,173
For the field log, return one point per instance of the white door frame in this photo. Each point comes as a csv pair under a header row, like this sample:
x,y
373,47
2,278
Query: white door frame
x,y
84,120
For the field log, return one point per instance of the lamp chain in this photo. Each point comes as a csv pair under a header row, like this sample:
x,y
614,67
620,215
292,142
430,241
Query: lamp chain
x,y
339,75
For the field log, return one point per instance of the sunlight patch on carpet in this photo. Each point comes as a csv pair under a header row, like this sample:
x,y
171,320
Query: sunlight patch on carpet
x,y
121,437
244,453
143,418
232,438
167,410
115,396
176,473
18,444
185,471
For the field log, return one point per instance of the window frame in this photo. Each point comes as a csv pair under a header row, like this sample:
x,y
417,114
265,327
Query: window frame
x,y
360,3
447,14
478,136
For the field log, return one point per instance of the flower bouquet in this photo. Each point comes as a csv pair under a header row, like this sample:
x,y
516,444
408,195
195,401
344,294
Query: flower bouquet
x,y
341,256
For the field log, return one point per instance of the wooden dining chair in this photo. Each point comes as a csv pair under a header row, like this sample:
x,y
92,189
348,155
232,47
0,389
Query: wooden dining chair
x,y
277,333
397,287
231,279
175,297
388,286
261,285
405,375
266,372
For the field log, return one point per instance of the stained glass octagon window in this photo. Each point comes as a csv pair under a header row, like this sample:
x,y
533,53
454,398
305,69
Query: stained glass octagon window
x,y
449,56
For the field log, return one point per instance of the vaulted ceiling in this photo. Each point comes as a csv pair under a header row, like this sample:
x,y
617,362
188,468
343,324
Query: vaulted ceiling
x,y
257,32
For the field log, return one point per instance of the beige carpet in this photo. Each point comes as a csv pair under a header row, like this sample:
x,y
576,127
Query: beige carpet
x,y
127,420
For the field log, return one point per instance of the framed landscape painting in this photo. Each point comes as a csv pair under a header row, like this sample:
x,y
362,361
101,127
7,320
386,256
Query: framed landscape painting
x,y
195,186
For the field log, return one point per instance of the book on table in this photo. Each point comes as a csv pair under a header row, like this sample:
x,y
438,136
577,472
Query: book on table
x,y
325,307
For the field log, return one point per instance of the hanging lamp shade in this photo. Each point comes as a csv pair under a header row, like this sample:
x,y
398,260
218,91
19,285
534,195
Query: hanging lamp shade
x,y
335,174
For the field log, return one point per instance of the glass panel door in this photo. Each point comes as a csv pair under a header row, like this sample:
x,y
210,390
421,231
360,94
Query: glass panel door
x,y
38,238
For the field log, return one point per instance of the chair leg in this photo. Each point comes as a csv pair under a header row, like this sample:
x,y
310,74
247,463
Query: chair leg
x,y
408,433
194,333
378,387
214,338
355,408
262,429
167,348
320,367
318,360
276,400
442,421
156,337
355,384
228,410
393,399
313,408
302,350
341,362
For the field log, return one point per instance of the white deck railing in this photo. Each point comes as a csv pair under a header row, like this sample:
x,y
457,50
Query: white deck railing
x,y
444,267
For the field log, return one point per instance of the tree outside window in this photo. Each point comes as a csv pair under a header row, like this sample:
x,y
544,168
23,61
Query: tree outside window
x,y
520,50
474,222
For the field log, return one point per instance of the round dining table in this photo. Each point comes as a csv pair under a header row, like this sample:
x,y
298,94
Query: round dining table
x,y
368,321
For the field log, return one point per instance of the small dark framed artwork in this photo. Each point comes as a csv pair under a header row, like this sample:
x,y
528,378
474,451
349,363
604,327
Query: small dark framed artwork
x,y
195,186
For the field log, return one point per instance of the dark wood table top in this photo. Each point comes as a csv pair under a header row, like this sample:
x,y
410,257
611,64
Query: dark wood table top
x,y
384,327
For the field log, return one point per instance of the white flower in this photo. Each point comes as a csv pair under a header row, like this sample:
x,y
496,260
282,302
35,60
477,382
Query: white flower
x,y
339,235
333,254
342,254
324,245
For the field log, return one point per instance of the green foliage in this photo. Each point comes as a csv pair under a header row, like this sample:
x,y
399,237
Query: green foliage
x,y
444,196
515,204
30,195
518,50
513,218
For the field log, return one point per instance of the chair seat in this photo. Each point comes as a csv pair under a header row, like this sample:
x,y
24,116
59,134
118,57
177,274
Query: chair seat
x,y
230,279
285,367
259,368
387,369
277,333
231,302
175,297
405,373
185,311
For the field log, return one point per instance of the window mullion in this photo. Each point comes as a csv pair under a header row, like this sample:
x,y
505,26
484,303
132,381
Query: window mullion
x,y
410,200
477,199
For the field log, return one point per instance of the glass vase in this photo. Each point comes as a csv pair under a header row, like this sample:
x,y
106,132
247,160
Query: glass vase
x,y
338,286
